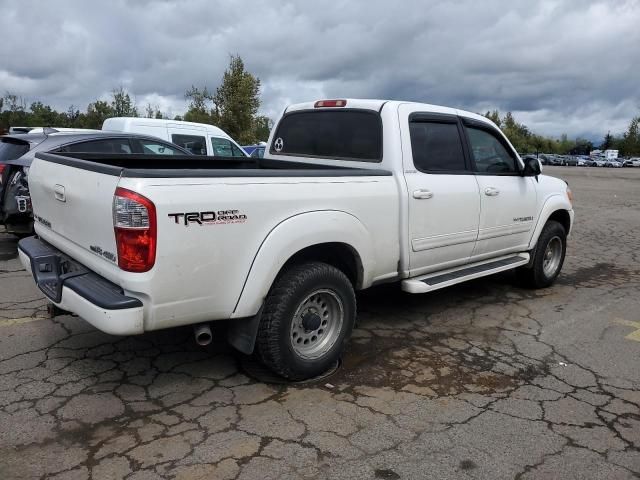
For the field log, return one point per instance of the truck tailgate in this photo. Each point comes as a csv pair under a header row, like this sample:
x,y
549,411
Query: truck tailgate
x,y
73,211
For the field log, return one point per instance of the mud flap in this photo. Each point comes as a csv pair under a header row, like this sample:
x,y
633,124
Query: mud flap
x,y
242,333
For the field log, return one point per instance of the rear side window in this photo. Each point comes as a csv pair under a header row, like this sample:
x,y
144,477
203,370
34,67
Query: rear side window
x,y
436,147
223,147
11,149
343,134
110,145
195,144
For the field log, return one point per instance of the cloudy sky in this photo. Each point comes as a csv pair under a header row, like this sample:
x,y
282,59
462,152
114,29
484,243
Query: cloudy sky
x,y
561,66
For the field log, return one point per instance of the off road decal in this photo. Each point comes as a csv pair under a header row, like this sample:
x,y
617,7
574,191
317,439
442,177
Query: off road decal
x,y
220,217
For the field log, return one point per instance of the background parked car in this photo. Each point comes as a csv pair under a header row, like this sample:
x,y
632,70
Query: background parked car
x,y
598,162
198,138
255,151
613,163
17,152
631,162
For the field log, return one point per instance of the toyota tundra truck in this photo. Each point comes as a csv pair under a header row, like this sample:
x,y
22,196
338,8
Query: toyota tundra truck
x,y
351,193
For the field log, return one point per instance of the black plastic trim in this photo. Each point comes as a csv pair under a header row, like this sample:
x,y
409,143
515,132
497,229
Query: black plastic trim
x,y
53,270
200,166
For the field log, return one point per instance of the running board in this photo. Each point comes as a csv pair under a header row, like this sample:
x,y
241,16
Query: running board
x,y
442,279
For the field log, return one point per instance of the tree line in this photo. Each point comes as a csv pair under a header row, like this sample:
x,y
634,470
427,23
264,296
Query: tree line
x,y
526,141
233,106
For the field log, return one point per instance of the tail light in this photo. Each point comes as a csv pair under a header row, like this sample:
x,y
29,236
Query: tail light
x,y
134,222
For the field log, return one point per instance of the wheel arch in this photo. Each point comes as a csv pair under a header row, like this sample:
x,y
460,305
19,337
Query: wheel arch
x,y
558,208
335,237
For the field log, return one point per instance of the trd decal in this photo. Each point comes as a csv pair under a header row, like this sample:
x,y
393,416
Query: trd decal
x,y
220,217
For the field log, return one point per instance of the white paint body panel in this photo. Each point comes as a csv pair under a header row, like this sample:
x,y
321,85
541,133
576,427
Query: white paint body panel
x,y
219,272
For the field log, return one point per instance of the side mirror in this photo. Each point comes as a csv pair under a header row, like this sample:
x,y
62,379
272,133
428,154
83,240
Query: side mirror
x,y
531,167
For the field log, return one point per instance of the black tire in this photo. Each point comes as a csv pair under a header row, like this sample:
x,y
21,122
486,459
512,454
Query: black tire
x,y
295,290
538,275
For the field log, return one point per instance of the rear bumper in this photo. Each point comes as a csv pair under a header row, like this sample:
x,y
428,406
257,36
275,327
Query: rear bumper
x,y
73,287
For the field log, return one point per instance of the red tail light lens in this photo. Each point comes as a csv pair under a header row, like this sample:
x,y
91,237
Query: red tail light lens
x,y
134,222
330,103
2,167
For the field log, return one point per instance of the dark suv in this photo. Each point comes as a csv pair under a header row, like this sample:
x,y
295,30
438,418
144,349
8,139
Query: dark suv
x,y
17,151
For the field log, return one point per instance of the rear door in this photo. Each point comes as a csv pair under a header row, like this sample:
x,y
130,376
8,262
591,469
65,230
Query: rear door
x,y
507,199
444,203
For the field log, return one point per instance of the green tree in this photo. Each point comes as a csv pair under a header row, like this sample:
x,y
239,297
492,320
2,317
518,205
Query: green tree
x,y
97,113
630,144
494,116
121,103
236,102
607,143
198,110
263,126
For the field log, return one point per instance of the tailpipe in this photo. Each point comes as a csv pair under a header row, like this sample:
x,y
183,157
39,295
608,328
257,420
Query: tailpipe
x,y
202,334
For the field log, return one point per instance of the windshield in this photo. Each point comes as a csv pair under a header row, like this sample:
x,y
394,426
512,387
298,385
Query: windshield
x,y
341,134
10,148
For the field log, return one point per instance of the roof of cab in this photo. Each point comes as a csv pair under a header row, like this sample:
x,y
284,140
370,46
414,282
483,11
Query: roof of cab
x,y
122,124
377,105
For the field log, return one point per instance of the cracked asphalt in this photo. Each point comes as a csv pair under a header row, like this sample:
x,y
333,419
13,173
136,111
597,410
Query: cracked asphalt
x,y
481,380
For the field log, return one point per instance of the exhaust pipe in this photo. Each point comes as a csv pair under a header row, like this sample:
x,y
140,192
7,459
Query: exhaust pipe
x,y
202,334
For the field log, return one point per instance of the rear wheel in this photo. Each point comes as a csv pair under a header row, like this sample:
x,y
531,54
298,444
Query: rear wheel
x,y
308,315
548,257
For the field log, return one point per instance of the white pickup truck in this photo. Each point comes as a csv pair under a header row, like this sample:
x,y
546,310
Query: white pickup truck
x,y
353,193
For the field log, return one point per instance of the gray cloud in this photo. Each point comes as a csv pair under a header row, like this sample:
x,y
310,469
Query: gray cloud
x,y
562,67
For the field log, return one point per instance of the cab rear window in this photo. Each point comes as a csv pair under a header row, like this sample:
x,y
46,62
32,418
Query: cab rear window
x,y
337,134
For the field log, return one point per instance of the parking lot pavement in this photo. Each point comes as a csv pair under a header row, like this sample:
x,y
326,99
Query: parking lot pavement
x,y
482,380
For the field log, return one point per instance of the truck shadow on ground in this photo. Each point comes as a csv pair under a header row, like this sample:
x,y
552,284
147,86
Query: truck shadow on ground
x,y
8,246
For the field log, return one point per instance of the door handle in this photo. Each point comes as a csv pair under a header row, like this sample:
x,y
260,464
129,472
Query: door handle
x,y
422,194
491,191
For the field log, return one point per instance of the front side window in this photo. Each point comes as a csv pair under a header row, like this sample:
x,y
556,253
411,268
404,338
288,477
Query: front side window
x,y
225,148
151,147
436,147
344,134
489,154
194,143
108,145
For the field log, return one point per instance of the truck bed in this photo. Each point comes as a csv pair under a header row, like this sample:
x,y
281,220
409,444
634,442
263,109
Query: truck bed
x,y
190,166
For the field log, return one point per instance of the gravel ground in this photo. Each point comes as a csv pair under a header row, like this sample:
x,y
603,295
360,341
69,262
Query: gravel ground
x,y
481,380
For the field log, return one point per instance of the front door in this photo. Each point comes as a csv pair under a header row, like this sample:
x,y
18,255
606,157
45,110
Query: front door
x,y
444,203
507,199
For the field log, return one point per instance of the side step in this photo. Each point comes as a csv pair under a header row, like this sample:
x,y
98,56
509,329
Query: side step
x,y
445,278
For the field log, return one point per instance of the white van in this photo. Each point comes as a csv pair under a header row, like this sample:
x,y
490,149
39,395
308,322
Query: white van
x,y
198,138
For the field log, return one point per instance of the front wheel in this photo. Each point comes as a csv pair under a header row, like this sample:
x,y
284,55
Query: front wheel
x,y
548,257
308,315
